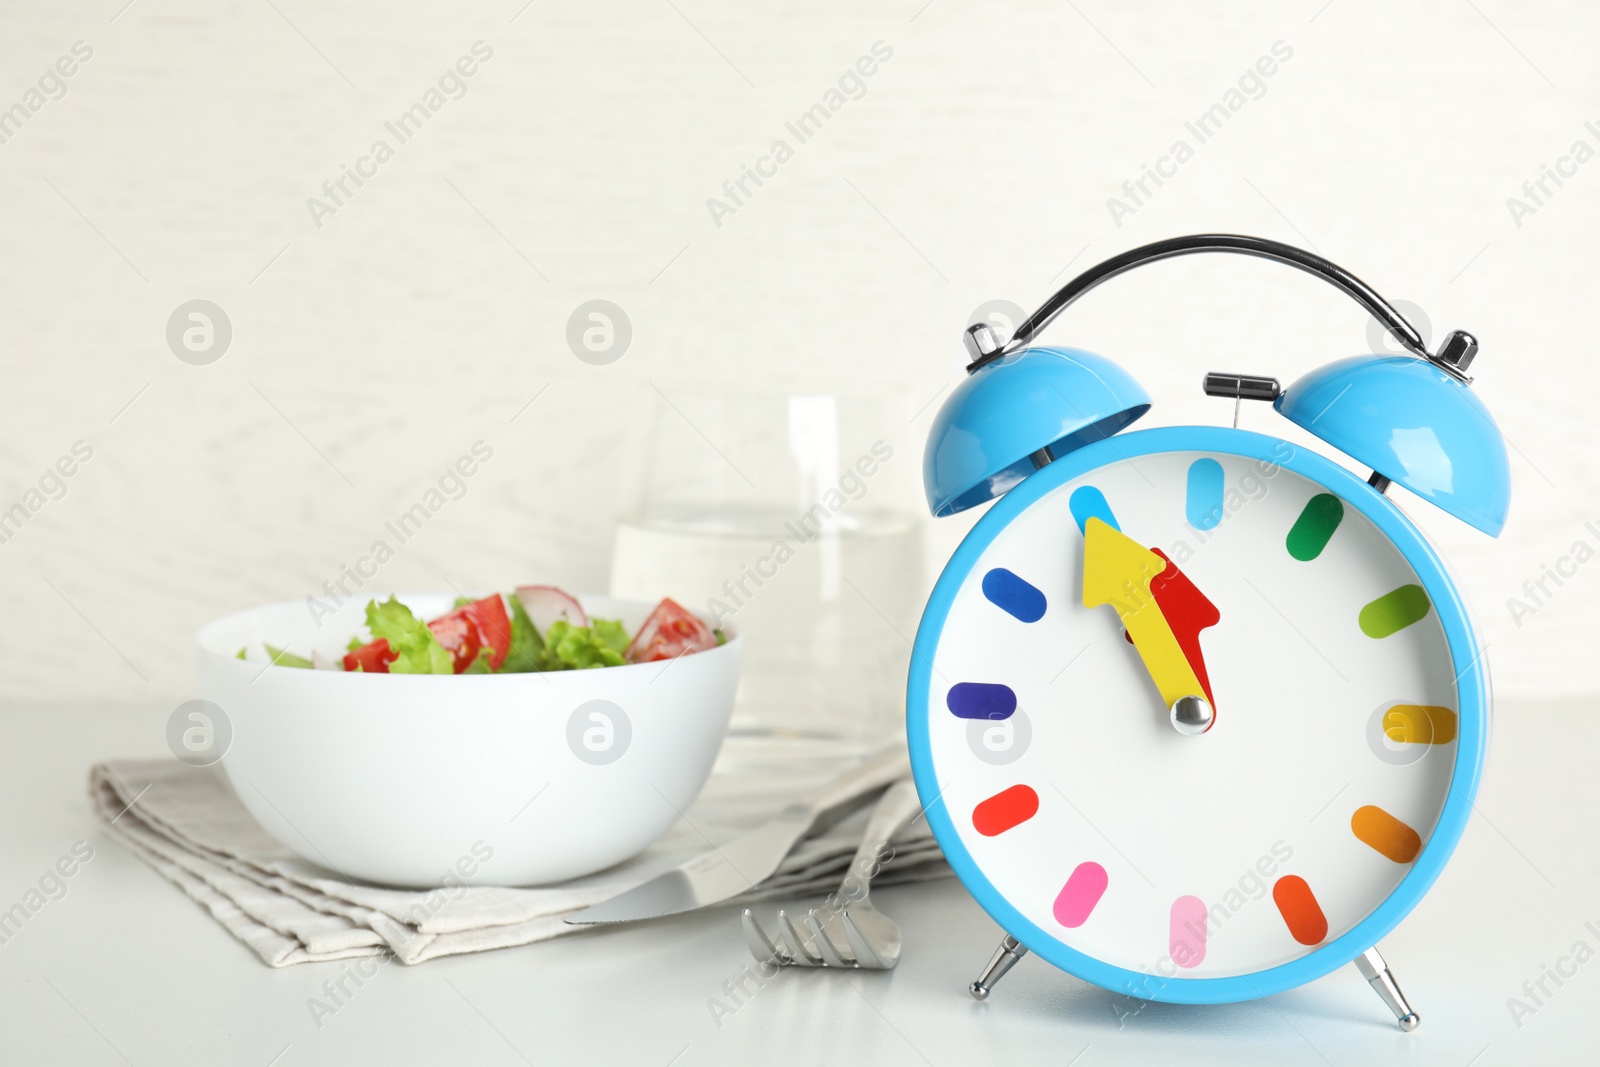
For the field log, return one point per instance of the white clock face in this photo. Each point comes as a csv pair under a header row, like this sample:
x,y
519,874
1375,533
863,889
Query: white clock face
x,y
1281,827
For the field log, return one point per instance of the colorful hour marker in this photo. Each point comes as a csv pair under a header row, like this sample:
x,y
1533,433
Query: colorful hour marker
x,y
1419,724
1005,810
1203,506
1300,910
1394,611
1386,834
1312,530
1186,933
1013,595
1084,888
1086,502
981,700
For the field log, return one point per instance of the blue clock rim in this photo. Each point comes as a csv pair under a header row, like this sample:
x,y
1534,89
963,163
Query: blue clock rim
x,y
1472,689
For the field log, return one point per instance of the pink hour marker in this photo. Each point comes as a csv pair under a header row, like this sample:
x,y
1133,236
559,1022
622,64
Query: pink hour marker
x,y
1081,893
1186,937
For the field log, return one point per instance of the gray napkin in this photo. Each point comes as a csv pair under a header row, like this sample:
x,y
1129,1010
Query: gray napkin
x,y
187,823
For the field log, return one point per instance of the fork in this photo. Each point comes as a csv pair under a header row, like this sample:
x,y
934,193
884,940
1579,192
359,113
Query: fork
x,y
871,938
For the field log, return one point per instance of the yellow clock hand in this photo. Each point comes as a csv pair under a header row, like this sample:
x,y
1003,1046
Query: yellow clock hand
x,y
1117,570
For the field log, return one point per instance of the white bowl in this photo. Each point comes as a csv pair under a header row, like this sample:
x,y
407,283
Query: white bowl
x,y
422,780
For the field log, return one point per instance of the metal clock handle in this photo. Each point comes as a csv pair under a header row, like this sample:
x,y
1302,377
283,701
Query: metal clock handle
x,y
1455,353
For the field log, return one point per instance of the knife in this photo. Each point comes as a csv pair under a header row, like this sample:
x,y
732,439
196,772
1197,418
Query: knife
x,y
730,869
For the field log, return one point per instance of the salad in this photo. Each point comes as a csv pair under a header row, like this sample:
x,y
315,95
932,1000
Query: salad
x,y
544,629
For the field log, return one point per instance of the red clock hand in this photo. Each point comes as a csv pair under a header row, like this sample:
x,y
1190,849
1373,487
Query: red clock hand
x,y
1188,612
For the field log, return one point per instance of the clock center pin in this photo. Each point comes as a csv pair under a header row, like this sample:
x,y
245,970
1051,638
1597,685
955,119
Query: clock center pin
x,y
1192,715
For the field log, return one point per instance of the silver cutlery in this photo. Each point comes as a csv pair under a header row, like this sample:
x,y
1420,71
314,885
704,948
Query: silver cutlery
x,y
847,931
731,869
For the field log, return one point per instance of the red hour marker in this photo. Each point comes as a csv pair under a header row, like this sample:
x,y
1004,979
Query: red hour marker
x,y
1300,910
1004,810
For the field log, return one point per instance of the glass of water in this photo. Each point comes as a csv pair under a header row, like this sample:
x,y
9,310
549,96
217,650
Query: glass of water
x,y
788,516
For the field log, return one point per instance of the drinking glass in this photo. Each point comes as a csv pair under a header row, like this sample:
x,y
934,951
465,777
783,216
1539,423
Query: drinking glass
x,y
788,516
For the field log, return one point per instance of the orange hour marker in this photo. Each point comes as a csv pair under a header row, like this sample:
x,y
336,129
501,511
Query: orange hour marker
x,y
1386,834
1300,910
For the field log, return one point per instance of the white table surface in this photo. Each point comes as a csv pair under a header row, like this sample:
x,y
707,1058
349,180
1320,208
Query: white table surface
x,y
126,969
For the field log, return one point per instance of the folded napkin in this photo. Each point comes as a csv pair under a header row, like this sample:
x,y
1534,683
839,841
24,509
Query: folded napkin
x,y
187,823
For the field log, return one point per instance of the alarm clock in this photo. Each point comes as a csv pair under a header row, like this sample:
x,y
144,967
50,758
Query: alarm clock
x,y
1197,714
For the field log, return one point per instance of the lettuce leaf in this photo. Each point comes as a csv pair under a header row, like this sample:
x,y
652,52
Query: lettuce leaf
x,y
283,657
526,646
568,647
613,633
418,651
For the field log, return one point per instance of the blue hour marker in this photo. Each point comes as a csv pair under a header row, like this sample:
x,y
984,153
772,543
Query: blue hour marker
x,y
1204,506
981,700
1088,502
1013,595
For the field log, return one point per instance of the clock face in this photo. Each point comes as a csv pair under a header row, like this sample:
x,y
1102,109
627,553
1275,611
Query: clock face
x,y
1048,735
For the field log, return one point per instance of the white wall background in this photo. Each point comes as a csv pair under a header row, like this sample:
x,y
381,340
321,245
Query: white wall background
x,y
428,311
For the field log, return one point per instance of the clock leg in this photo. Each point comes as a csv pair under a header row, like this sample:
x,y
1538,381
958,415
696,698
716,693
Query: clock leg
x,y
1005,957
1376,972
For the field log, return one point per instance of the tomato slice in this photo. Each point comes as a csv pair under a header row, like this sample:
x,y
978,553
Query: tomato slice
x,y
463,633
373,658
471,627
459,637
670,631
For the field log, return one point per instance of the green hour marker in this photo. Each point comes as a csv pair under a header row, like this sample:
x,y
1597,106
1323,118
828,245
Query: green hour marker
x,y
1394,611
1311,531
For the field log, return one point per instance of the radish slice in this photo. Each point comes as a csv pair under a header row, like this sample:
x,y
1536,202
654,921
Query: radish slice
x,y
545,604
320,662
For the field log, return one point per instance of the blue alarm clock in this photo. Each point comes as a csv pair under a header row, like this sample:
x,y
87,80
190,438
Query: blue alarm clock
x,y
1197,714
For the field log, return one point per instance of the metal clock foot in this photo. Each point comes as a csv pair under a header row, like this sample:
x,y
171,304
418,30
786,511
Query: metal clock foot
x,y
1376,972
1005,957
